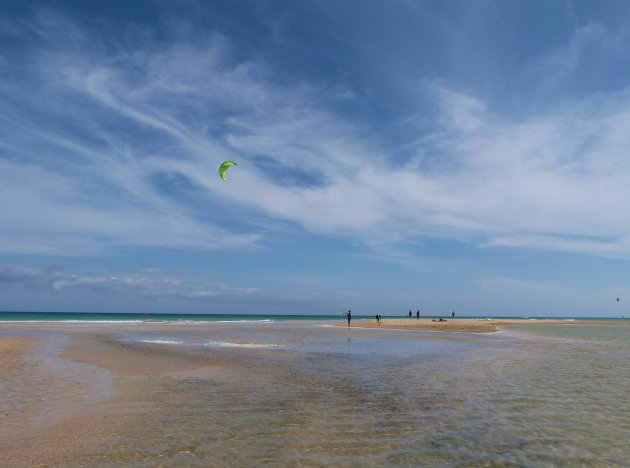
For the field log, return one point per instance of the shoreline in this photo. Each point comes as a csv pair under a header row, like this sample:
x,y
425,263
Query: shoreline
x,y
459,324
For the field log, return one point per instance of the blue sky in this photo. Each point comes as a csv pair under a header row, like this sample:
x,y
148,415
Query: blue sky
x,y
391,155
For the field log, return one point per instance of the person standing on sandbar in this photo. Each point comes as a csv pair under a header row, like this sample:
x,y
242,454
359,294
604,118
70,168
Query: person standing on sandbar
x,y
418,314
349,315
453,314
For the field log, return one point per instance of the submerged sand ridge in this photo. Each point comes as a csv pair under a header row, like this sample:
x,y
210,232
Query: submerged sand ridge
x,y
73,404
38,390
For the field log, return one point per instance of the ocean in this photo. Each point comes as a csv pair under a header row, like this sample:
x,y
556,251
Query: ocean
x,y
111,317
8,316
302,392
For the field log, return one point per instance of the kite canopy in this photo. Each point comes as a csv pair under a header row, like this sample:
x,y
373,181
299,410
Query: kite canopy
x,y
224,167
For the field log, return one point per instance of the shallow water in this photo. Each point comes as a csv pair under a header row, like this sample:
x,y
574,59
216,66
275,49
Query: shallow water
x,y
303,393
40,389
331,396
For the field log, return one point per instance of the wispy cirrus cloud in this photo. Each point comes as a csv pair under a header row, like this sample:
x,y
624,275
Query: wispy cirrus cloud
x,y
116,143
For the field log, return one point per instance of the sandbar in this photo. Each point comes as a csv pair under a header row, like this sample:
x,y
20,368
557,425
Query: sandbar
x,y
468,325
457,325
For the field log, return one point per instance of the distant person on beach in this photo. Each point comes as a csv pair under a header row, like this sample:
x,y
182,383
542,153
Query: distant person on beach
x,y
349,315
409,313
453,314
378,320
380,317
418,314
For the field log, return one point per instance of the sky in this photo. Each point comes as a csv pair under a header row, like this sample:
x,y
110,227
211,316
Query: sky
x,y
392,155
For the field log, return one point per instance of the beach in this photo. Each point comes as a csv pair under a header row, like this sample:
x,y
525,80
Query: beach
x,y
310,393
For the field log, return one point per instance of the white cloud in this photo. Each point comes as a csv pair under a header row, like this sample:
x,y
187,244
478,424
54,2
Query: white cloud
x,y
147,283
61,284
459,111
60,215
77,163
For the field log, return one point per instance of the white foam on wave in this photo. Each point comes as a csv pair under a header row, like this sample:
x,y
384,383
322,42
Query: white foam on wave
x,y
135,322
241,321
99,321
229,344
162,341
206,322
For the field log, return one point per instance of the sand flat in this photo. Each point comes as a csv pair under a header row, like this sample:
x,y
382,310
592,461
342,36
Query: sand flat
x,y
457,325
11,351
12,345
469,325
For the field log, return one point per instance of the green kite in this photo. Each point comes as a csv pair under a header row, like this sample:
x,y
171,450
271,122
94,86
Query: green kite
x,y
224,168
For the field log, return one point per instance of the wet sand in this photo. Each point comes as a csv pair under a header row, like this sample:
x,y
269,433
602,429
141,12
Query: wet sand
x,y
81,413
11,352
11,348
83,396
13,345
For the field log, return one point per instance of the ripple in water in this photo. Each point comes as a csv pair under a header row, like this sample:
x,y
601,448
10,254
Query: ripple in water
x,y
324,396
399,399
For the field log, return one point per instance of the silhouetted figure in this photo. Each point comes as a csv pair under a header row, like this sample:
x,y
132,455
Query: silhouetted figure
x,y
377,320
453,314
380,317
418,314
349,315
409,313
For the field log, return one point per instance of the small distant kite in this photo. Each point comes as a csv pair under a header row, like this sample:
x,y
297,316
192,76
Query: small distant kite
x,y
224,167
617,299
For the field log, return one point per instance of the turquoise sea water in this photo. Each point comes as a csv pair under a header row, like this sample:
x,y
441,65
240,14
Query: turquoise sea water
x,y
147,317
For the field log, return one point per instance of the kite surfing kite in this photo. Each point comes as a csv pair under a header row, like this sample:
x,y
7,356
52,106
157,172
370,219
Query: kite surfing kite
x,y
224,167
